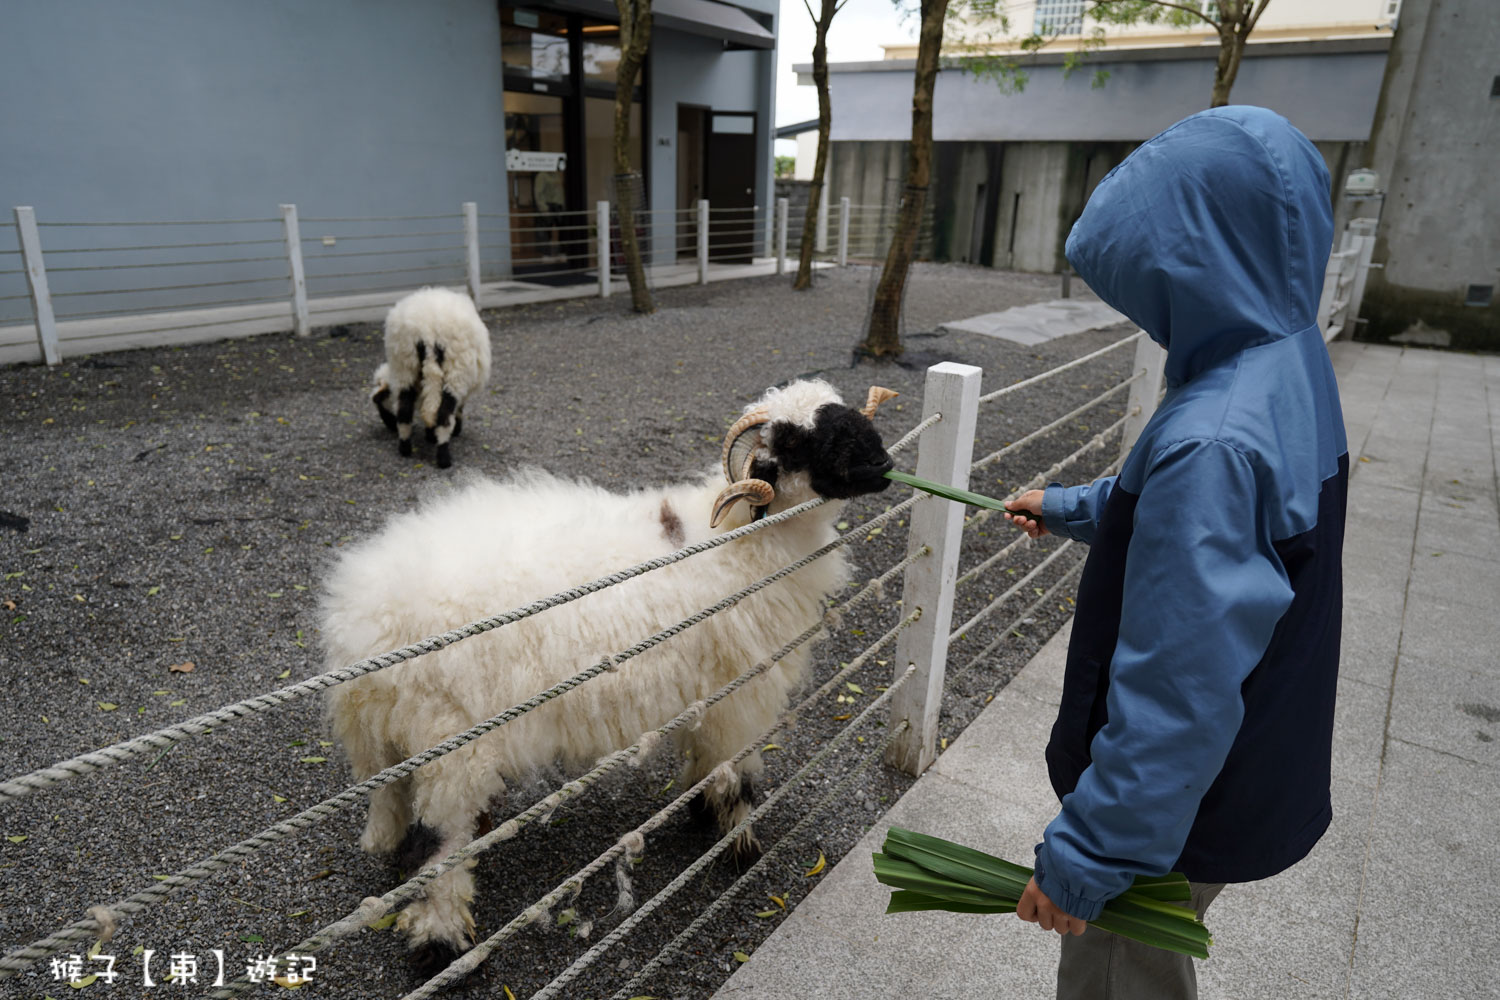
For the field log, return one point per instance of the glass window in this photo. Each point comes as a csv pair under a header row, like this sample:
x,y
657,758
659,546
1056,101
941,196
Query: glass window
x,y
1058,17
599,132
534,44
601,53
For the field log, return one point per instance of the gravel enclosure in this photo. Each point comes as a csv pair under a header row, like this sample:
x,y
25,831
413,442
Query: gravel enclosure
x,y
175,505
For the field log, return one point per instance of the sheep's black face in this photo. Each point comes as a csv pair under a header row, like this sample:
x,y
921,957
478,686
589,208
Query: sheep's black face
x,y
842,454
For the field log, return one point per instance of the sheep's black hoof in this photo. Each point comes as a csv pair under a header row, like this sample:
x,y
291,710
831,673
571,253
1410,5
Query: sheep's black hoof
x,y
444,456
427,960
431,435
405,448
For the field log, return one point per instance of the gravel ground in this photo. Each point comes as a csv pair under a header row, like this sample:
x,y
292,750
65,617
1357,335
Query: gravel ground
x,y
162,507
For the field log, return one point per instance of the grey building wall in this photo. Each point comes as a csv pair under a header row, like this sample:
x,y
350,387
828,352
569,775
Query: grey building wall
x,y
1436,144
689,70
217,109
1327,89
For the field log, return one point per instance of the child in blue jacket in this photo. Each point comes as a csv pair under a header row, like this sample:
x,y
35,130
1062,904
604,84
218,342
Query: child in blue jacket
x,y
1196,722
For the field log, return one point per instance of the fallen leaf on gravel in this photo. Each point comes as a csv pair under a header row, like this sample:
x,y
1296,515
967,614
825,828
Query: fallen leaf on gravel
x,y
321,875
778,900
9,605
178,703
763,914
152,592
740,956
83,680
85,981
385,923
181,668
314,760
18,839
284,674
770,746
278,798
843,718
107,706
854,687
161,694
283,981
508,994
325,743
816,868
252,939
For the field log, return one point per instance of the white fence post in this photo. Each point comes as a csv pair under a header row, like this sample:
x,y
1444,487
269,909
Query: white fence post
x,y
843,232
601,243
945,453
299,280
703,242
36,281
783,209
1150,359
822,241
471,245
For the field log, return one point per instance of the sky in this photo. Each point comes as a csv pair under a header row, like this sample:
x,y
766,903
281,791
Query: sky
x,y
858,33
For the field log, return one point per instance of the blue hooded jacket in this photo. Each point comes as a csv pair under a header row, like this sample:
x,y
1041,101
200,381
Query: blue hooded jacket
x,y
1196,722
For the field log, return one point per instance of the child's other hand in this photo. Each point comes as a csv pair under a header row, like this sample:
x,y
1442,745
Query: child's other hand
x,y
1030,503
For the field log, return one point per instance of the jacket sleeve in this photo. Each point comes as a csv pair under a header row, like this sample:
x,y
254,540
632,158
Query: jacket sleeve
x,y
1203,591
1073,511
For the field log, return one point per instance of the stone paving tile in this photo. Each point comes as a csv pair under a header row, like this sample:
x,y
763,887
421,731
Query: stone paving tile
x,y
1459,578
1368,647
1449,706
1427,920
1451,634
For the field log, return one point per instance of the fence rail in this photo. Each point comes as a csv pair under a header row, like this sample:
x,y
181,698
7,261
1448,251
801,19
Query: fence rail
x,y
100,284
923,635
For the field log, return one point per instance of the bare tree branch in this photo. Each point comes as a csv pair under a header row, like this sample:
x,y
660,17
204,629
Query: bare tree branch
x,y
1250,25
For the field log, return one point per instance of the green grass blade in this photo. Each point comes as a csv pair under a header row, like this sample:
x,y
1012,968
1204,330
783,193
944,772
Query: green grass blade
x,y
945,865
903,901
903,875
1172,887
948,492
899,836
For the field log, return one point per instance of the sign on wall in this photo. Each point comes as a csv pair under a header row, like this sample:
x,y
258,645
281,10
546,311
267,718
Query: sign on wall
x,y
522,160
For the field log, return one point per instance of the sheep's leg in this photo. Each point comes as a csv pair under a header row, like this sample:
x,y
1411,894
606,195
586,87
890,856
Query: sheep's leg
x,y
382,395
406,404
390,805
725,730
446,418
449,794
458,421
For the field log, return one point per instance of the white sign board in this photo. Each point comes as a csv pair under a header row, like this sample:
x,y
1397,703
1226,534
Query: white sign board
x,y
521,160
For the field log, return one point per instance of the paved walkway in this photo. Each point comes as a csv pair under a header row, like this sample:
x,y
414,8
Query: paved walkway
x,y
1400,898
1042,321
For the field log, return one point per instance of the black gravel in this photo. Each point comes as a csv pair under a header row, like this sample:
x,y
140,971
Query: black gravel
x,y
180,505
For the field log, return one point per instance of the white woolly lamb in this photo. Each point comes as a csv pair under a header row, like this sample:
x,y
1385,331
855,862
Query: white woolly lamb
x,y
437,352
493,545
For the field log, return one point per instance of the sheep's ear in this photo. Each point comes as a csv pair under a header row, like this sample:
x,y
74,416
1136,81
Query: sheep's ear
x,y
757,491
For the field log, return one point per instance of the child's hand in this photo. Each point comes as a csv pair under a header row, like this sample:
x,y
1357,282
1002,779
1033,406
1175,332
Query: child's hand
x,y
1034,907
1031,503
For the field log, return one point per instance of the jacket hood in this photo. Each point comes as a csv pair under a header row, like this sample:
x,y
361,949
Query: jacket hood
x,y
1212,237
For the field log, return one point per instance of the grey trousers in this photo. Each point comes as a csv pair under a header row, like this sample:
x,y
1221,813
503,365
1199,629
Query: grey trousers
x,y
1098,965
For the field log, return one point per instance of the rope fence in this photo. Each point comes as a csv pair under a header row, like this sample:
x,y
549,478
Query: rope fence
x,y
905,721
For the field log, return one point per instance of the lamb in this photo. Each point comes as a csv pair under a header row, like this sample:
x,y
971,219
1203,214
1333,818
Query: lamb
x,y
493,545
437,353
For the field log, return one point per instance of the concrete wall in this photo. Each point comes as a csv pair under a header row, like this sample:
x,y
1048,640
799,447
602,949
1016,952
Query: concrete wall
x,y
1327,89
218,109
687,69
1435,144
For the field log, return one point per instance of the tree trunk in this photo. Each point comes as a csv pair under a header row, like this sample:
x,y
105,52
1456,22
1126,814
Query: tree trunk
x,y
635,36
1237,20
883,339
803,280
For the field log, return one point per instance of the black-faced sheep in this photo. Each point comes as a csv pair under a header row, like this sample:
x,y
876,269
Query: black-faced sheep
x,y
493,545
437,352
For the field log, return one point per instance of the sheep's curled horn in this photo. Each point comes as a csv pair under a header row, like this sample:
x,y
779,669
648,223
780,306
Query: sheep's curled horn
x,y
741,443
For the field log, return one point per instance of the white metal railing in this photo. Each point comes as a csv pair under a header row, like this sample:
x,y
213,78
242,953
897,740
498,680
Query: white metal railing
x,y
1344,279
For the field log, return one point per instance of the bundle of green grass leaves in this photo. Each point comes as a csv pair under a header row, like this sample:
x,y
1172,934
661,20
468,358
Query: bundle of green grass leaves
x,y
929,873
